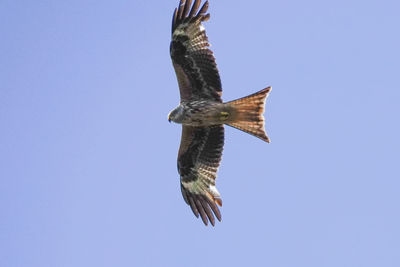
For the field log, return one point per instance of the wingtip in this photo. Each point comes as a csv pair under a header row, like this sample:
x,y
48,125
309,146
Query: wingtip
x,y
205,220
212,223
204,8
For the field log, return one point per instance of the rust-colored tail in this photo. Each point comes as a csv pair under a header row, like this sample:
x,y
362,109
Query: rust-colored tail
x,y
247,114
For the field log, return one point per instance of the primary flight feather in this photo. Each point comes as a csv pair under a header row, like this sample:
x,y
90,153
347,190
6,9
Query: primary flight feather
x,y
202,112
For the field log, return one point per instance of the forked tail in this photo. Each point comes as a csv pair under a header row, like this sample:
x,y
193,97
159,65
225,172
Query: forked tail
x,y
248,114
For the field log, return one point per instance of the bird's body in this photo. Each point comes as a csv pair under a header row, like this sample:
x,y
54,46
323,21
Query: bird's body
x,y
202,112
198,113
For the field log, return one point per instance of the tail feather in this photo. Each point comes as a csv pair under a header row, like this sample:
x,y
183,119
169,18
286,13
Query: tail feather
x,y
248,114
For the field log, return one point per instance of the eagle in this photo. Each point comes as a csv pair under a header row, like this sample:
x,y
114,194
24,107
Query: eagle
x,y
202,112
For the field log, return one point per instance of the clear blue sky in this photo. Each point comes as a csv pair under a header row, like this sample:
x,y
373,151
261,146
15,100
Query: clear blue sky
x,y
88,159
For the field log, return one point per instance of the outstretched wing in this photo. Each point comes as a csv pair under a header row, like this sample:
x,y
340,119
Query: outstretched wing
x,y
193,61
199,157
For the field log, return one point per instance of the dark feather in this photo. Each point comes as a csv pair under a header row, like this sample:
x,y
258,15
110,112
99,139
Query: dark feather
x,y
201,210
204,8
194,9
193,207
206,208
187,8
199,157
180,9
192,59
174,19
214,208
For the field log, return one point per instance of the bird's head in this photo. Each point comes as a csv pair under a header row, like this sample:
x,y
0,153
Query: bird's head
x,y
169,117
176,115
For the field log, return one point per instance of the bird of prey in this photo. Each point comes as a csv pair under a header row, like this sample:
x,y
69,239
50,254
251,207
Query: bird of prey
x,y
202,112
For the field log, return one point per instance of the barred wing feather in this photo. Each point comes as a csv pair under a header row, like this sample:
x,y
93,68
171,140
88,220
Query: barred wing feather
x,y
193,61
199,157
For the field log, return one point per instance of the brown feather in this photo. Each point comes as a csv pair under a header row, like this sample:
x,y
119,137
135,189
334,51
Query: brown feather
x,y
194,9
206,208
201,210
206,17
187,8
199,157
214,207
174,20
203,9
181,7
248,114
193,207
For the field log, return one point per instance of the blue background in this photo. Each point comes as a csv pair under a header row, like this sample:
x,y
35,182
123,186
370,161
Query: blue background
x,y
88,159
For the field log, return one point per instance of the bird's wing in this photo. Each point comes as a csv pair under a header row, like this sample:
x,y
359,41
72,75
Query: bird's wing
x,y
193,61
199,157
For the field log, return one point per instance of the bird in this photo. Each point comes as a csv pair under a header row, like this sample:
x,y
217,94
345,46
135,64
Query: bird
x,y
202,113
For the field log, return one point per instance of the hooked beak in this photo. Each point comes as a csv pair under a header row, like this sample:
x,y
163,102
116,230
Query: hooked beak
x,y
169,119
